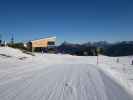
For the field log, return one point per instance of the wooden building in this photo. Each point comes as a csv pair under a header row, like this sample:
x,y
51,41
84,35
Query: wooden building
x,y
44,43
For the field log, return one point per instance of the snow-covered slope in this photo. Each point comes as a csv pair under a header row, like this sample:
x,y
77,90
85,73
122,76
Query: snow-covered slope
x,y
12,52
58,77
122,71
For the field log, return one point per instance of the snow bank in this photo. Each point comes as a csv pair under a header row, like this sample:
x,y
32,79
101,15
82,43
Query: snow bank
x,y
12,52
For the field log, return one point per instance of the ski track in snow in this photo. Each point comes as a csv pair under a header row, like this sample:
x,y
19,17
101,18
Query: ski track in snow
x,y
57,77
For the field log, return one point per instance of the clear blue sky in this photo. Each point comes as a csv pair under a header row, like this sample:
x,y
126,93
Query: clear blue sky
x,y
69,20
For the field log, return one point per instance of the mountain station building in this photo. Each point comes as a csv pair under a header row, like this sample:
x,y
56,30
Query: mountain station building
x,y
44,44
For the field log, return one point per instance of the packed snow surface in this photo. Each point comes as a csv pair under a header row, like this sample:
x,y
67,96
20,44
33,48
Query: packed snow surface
x,y
63,77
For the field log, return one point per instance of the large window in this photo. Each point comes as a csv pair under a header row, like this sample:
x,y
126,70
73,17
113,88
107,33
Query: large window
x,y
51,43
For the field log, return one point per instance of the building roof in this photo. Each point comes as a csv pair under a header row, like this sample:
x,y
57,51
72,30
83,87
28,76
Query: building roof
x,y
48,38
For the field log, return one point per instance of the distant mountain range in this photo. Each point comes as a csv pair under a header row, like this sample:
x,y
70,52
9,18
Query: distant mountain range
x,y
124,48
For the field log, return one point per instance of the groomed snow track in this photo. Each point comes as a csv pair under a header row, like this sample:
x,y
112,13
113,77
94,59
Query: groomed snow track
x,y
63,82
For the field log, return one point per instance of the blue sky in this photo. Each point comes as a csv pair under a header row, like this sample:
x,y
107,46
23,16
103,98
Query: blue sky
x,y
70,20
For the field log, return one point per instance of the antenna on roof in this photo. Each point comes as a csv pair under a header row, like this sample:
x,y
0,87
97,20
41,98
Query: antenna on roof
x,y
12,38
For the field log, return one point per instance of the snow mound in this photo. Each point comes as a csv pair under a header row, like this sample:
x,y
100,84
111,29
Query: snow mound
x,y
7,51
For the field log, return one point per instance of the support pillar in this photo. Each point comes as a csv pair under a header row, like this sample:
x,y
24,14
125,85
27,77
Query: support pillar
x,y
33,49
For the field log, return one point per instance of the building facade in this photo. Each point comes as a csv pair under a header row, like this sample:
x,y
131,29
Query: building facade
x,y
43,44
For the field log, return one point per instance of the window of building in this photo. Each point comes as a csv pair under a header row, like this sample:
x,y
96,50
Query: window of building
x,y
51,43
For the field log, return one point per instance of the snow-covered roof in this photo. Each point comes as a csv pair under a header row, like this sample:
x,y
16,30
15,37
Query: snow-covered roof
x,y
48,38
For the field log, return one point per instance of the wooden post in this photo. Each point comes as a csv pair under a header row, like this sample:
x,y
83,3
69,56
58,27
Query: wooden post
x,y
97,59
132,62
98,51
117,60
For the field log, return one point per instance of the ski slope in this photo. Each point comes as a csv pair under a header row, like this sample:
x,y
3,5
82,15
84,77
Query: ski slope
x,y
60,77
